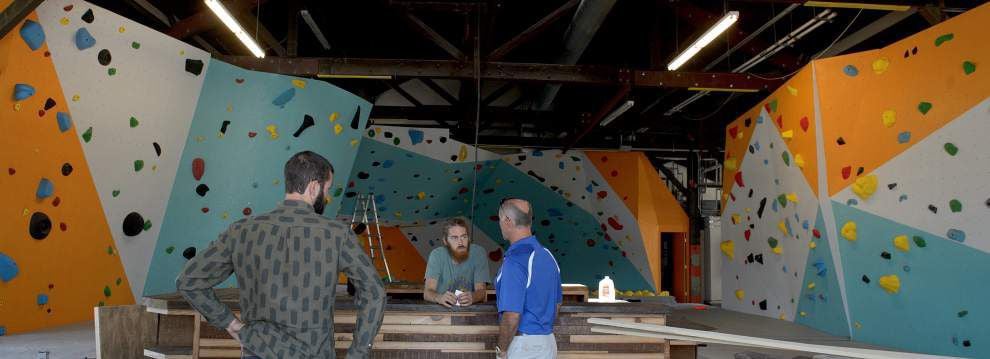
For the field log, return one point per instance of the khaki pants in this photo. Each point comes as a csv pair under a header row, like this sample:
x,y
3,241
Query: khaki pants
x,y
533,347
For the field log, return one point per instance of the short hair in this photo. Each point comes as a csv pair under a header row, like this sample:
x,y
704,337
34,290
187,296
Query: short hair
x,y
517,215
454,222
303,168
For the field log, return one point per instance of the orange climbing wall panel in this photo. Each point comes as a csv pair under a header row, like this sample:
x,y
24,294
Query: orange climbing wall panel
x,y
77,267
403,260
897,78
737,135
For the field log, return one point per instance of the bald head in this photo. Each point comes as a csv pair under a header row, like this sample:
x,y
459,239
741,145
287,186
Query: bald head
x,y
515,219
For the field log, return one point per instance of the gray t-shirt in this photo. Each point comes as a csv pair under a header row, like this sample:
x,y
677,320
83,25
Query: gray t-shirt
x,y
462,276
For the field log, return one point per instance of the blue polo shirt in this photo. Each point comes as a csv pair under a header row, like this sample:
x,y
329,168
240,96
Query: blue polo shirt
x,y
529,284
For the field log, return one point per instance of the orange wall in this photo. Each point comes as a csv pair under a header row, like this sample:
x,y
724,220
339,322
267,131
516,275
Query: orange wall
x,y
77,268
404,261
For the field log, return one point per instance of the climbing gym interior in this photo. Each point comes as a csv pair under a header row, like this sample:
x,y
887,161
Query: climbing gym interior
x,y
830,177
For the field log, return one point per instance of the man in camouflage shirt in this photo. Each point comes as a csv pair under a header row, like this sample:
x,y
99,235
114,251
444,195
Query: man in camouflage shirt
x,y
286,262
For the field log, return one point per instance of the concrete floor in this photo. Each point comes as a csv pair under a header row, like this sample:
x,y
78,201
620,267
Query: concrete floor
x,y
77,341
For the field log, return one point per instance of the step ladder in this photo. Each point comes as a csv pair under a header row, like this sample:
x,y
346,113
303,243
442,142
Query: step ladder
x,y
365,218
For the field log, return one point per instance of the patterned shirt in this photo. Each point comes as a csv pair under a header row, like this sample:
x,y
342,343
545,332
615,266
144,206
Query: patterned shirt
x,y
286,262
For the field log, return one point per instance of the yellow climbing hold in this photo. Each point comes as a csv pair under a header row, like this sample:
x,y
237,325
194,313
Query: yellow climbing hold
x,y
789,134
748,209
462,154
849,231
17,106
857,325
735,218
731,164
200,139
792,197
782,317
779,249
880,65
378,130
64,21
230,108
25,212
337,129
890,283
865,186
398,214
225,215
740,294
272,131
901,242
121,29
728,249
75,98
299,83
333,117
276,181
889,118
792,91
354,142
421,195
798,160
811,285
804,314
812,244
783,227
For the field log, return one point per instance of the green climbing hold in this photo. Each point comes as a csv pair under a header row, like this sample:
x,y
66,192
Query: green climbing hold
x,y
147,225
962,313
773,105
969,67
134,122
955,206
396,141
100,304
138,165
170,249
88,135
110,250
782,199
136,45
116,193
371,133
920,242
338,191
942,39
787,158
119,280
106,291
112,71
772,242
951,149
924,107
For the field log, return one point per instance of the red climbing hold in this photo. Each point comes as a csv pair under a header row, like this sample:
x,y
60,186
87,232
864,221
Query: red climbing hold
x,y
56,201
590,242
780,121
608,237
493,218
739,180
63,226
816,233
805,123
204,209
732,196
623,254
252,134
614,224
41,113
733,131
198,167
602,194
615,173
246,211
477,167
846,171
11,171
463,190
604,158
495,255
350,184
747,234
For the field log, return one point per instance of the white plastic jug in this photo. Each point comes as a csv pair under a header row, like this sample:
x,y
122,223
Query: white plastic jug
x,y
606,289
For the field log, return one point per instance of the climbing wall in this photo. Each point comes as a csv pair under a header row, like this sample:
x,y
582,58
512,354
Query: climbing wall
x,y
132,92
246,125
57,256
903,192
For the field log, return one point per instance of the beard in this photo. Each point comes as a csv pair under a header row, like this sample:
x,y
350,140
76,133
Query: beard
x,y
459,254
320,204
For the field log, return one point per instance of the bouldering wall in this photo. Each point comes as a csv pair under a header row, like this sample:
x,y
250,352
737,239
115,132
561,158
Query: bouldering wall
x,y
903,193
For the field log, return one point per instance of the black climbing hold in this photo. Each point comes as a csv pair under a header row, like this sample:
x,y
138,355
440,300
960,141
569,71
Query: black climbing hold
x,y
376,164
906,53
224,125
443,139
307,123
359,228
859,171
914,50
545,222
350,194
356,120
751,149
866,279
388,134
39,226
158,149
748,122
66,169
891,186
189,253
531,173
988,202
488,190
194,67
749,258
363,175
759,258
885,255
49,103
967,343
750,193
763,205
931,207
763,304
202,189
840,141
453,157
88,16
522,157
103,57
133,224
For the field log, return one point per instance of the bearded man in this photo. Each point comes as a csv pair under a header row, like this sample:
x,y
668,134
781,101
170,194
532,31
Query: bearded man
x,y
457,272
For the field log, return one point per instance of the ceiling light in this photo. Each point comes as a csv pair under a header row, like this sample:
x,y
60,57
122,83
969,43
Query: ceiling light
x,y
850,5
314,28
618,112
721,89
705,39
235,27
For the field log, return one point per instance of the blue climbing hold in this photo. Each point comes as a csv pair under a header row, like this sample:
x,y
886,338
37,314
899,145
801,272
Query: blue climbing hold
x,y
83,39
810,297
33,34
956,235
852,202
759,119
415,136
45,188
850,70
560,164
42,299
907,268
821,268
23,91
588,188
8,268
902,198
773,206
904,137
285,97
805,225
379,199
3,330
537,153
64,121
387,164
785,269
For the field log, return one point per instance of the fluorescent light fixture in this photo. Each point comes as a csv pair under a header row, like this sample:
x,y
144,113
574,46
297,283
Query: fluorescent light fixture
x,y
705,39
314,28
235,27
367,77
851,5
617,112
721,89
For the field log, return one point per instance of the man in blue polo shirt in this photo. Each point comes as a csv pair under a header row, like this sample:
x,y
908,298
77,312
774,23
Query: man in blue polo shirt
x,y
527,288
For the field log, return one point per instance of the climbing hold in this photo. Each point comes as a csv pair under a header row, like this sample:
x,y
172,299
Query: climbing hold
x,y
811,285
865,186
103,57
798,160
135,45
772,242
890,283
880,65
782,226
962,313
731,164
32,34
956,235
66,169
846,172
793,91
735,218
42,299
849,231
356,120
133,224
904,137
462,154
158,149
821,269
198,168
138,165
739,179
955,206
45,188
889,117
740,294
272,131
763,304
885,255
23,91
792,197
133,122
299,83
115,193
943,38
8,268
951,148
337,129
866,279
968,67
83,39
924,107
850,70
786,157
728,249
284,97
64,121
812,245
147,225
901,243
88,16
39,226
195,67
919,241
111,71
307,123
202,189
787,135
931,207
